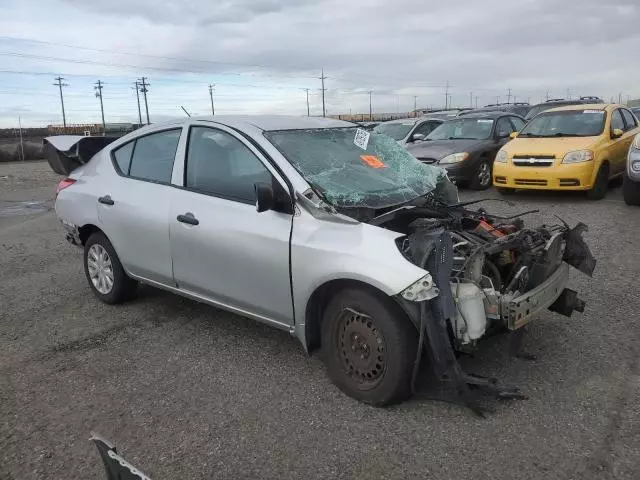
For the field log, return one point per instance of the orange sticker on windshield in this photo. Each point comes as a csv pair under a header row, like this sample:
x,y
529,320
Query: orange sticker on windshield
x,y
372,161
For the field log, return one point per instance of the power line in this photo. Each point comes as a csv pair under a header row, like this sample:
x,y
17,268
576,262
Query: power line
x,y
59,84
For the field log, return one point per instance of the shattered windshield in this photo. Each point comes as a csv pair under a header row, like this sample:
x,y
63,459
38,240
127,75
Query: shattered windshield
x,y
395,130
377,173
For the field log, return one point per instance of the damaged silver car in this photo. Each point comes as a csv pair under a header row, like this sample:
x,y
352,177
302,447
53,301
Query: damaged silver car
x,y
317,227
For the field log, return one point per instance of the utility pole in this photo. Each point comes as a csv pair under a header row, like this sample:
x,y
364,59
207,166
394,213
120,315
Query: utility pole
x,y
211,87
370,109
415,105
509,96
470,99
322,78
497,99
514,99
476,98
446,96
137,87
619,98
59,84
397,103
547,95
568,94
98,88
308,111
21,145
144,90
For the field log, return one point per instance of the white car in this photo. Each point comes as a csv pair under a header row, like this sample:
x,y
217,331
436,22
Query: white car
x,y
406,131
314,226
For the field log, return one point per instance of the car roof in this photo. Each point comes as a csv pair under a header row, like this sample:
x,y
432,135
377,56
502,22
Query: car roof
x,y
583,106
488,114
275,122
405,120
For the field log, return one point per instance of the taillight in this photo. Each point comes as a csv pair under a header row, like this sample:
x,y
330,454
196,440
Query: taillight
x,y
67,182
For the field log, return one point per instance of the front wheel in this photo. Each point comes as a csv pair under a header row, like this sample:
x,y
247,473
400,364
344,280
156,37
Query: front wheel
x,y
599,189
368,347
630,191
481,179
104,271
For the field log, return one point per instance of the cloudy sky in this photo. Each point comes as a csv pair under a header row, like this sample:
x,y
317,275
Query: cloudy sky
x,y
262,54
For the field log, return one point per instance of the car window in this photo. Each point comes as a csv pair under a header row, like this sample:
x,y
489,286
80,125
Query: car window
x,y
629,119
219,164
123,157
503,127
153,156
517,122
617,121
426,128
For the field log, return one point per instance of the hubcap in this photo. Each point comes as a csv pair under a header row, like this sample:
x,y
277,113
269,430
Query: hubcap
x,y
362,348
100,268
484,174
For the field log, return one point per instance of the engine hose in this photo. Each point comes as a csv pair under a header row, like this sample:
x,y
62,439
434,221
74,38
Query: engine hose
x,y
495,272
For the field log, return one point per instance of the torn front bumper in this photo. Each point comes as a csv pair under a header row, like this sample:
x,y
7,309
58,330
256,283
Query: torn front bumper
x,y
518,311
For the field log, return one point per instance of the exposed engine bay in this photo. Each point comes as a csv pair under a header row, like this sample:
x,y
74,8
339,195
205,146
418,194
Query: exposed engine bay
x,y
492,273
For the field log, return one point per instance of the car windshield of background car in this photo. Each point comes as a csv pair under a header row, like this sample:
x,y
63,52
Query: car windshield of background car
x,y
571,123
346,175
397,131
467,128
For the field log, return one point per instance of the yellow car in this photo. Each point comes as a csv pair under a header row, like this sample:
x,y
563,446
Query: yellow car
x,y
579,147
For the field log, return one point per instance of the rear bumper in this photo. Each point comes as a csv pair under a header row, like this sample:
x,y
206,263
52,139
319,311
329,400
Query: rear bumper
x,y
518,311
579,176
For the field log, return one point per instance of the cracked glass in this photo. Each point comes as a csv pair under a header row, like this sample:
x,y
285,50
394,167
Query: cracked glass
x,y
384,174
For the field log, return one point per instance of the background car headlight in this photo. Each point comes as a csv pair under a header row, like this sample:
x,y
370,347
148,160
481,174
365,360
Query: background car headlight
x,y
501,157
578,156
455,157
423,289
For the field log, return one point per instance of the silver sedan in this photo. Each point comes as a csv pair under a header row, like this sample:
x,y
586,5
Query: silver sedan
x,y
314,226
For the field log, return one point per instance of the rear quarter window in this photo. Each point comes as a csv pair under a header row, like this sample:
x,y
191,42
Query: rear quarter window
x,y
123,157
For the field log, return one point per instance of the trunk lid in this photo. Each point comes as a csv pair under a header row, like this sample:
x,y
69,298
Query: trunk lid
x,y
65,153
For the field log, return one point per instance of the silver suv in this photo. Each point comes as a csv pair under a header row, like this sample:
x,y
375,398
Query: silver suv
x,y
314,226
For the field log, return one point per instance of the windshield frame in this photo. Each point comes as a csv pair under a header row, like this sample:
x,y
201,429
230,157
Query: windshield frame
x,y
439,174
467,120
524,134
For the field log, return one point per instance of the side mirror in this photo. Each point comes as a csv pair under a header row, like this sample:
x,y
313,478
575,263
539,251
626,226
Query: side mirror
x,y
417,136
513,135
264,197
616,133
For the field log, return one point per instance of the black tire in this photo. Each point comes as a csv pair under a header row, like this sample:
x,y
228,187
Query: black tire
x,y
600,186
630,191
505,190
123,288
368,347
481,177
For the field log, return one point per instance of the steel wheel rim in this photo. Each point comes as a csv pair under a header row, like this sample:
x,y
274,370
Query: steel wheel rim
x,y
362,349
484,174
100,268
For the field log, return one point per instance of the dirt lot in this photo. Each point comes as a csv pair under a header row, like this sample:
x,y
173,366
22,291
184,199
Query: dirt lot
x,y
190,392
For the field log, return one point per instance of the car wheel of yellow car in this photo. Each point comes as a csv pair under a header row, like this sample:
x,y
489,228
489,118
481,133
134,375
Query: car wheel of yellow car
x,y
601,183
630,191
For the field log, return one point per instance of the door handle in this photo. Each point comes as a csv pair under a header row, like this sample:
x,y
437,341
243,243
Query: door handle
x,y
106,200
188,218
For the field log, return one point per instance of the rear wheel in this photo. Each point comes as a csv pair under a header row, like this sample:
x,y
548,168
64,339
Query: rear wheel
x,y
368,347
104,271
601,184
630,191
481,179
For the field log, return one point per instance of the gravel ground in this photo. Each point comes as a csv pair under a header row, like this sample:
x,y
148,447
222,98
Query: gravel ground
x,y
187,391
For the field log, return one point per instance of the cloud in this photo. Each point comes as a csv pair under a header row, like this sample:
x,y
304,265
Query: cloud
x,y
275,48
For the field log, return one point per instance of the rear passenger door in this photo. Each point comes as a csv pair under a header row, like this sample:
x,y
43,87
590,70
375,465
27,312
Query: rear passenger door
x,y
133,206
223,249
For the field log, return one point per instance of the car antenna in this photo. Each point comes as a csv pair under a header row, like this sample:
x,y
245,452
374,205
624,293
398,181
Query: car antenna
x,y
185,111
